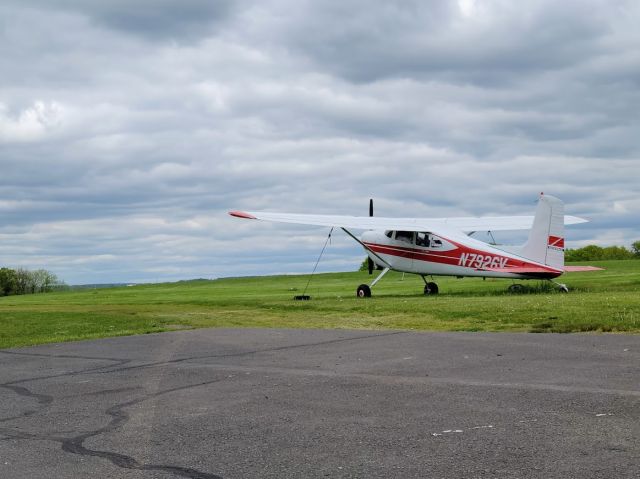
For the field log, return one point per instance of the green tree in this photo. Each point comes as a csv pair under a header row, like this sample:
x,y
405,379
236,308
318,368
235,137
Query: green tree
x,y
588,253
598,253
43,280
25,283
616,252
8,282
364,266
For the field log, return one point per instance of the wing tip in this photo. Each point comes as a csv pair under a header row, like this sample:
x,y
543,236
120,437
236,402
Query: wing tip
x,y
575,220
242,214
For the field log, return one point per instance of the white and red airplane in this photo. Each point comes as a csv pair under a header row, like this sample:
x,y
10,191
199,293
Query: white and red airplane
x,y
444,247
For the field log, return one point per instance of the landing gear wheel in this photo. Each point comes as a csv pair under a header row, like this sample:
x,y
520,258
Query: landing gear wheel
x,y
431,288
363,291
563,288
516,288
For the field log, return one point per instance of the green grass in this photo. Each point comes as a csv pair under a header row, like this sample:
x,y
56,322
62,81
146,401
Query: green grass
x,y
606,301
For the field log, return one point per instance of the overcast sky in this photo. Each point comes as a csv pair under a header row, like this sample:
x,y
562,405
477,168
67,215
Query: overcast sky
x,y
129,129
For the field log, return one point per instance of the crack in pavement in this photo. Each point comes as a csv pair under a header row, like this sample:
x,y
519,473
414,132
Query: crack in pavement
x,y
45,400
64,356
119,418
70,373
75,445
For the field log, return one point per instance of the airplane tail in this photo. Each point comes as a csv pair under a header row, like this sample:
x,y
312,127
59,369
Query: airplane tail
x,y
546,238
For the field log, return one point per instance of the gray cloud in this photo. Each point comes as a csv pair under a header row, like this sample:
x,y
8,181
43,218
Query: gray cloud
x,y
186,20
126,133
486,43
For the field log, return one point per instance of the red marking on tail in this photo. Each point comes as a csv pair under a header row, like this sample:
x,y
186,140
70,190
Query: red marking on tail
x,y
556,241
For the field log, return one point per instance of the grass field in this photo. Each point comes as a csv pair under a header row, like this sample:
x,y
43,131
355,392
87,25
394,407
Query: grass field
x,y
607,301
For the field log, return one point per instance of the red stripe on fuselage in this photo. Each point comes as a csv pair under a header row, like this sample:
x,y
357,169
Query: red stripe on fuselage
x,y
443,257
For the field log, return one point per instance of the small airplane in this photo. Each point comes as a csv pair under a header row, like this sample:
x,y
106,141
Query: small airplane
x,y
444,246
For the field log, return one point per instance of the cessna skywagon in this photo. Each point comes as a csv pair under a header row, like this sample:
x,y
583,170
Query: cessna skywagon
x,y
444,246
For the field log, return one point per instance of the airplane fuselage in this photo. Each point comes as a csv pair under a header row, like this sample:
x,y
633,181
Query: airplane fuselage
x,y
428,254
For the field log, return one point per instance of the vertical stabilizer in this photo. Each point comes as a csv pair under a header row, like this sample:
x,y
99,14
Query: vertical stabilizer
x,y
546,238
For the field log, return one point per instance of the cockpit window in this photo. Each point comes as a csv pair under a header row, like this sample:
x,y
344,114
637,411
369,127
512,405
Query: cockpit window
x,y
388,234
422,239
428,240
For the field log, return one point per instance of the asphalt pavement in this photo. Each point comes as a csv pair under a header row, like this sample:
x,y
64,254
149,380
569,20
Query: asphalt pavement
x,y
247,403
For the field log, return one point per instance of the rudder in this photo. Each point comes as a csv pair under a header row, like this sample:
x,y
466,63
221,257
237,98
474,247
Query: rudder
x,y
546,238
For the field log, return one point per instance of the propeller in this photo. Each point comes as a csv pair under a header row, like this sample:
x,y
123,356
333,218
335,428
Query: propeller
x,y
369,260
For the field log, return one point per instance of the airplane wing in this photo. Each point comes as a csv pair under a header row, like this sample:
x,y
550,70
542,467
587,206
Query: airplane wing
x,y
489,223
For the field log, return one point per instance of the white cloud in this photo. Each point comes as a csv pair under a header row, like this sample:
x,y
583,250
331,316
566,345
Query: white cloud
x,y
32,123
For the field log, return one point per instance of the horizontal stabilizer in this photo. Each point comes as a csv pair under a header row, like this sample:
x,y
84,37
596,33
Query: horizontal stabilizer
x,y
577,269
521,270
540,269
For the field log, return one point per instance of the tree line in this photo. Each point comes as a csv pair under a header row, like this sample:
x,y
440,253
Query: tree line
x,y
23,281
598,253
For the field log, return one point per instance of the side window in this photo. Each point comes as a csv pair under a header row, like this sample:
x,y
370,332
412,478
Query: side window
x,y
388,233
405,236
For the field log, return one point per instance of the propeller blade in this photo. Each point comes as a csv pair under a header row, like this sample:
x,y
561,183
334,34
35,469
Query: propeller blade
x,y
370,265
371,207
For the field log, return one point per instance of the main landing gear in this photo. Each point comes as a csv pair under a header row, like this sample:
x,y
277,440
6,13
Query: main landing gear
x,y
364,290
430,287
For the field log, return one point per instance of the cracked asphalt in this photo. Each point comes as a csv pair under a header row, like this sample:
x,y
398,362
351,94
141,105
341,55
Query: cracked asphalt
x,y
247,403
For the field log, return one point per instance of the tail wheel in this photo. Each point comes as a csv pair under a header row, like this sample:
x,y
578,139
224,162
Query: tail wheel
x,y
431,288
516,288
363,291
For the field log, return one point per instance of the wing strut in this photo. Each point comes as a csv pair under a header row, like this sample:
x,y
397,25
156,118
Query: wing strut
x,y
383,262
384,271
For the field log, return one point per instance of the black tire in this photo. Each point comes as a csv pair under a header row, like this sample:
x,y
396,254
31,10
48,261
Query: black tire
x,y
363,291
431,288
